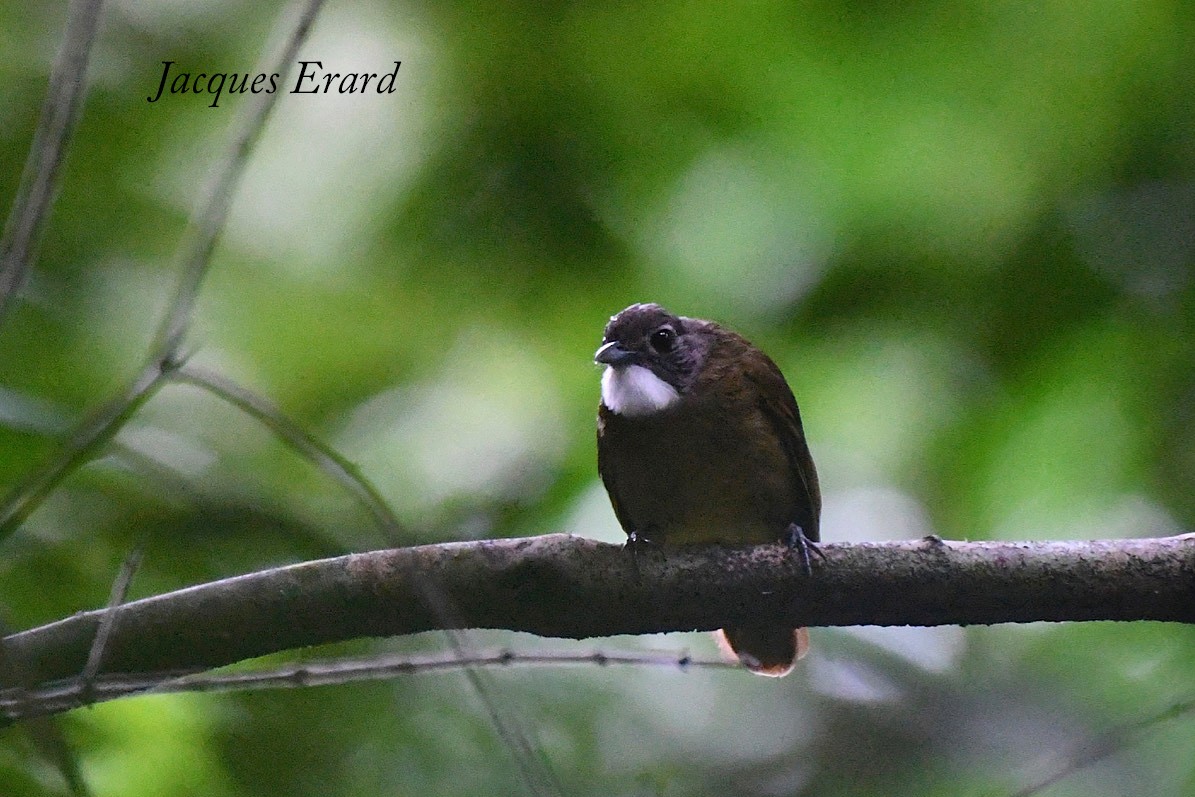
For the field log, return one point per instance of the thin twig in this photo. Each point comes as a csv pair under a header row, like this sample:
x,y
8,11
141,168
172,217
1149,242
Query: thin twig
x,y
1104,745
206,225
69,694
39,177
120,590
194,256
87,441
533,765
322,455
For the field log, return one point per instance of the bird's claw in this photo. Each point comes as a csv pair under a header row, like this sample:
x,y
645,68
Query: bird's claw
x,y
796,540
635,543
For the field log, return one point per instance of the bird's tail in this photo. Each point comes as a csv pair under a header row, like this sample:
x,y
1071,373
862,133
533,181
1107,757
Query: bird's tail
x,y
765,651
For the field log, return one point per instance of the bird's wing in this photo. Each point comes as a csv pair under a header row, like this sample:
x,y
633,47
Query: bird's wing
x,y
607,472
780,408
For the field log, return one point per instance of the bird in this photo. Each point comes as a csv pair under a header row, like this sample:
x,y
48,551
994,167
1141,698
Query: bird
x,y
699,441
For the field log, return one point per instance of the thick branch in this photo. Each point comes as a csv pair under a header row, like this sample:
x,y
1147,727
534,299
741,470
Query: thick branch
x,y
564,586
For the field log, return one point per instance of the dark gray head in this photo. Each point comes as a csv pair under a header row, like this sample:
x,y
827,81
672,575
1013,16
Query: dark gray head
x,y
647,339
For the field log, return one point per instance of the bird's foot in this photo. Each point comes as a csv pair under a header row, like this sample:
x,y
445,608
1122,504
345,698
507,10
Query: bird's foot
x,y
806,548
636,543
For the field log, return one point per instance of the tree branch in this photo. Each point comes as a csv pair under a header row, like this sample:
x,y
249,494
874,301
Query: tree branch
x,y
564,586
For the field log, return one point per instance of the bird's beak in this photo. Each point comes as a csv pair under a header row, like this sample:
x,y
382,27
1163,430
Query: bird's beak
x,y
615,354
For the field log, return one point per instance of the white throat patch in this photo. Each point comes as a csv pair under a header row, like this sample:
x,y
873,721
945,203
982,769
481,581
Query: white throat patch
x,y
634,391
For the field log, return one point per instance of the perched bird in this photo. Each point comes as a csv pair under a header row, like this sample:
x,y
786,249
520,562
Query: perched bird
x,y
700,441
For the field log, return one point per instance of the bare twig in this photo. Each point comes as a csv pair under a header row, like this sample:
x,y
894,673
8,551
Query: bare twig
x,y
194,255
534,767
39,178
533,763
87,441
324,456
120,590
203,231
1104,745
70,694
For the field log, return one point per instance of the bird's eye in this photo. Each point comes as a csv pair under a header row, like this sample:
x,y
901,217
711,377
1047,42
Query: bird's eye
x,y
663,339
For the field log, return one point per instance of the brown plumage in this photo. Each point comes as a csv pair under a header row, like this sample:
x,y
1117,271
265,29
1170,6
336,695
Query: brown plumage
x,y
704,444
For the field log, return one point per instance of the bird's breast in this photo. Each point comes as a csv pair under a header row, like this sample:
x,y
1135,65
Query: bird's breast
x,y
700,473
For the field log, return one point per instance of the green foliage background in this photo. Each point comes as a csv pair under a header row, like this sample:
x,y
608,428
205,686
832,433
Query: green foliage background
x,y
965,231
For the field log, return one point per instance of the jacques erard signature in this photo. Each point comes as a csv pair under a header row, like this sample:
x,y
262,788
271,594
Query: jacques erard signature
x,y
312,79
